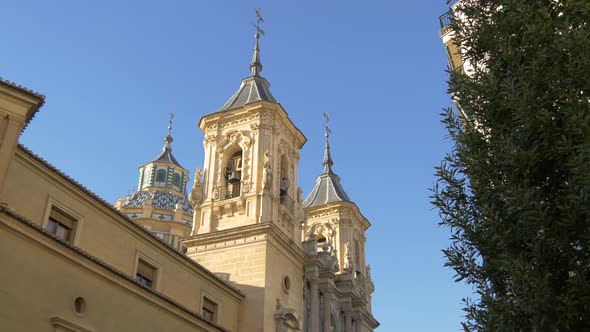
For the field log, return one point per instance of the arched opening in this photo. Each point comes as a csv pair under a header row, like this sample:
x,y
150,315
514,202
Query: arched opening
x,y
176,180
161,177
233,175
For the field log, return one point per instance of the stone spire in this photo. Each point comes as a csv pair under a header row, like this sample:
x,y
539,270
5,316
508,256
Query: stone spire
x,y
256,65
327,188
254,87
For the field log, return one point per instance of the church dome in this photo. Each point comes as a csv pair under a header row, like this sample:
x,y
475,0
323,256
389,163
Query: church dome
x,y
160,200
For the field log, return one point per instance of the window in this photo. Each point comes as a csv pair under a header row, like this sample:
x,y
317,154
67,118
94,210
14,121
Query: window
x,y
209,310
161,175
60,224
286,283
146,274
176,179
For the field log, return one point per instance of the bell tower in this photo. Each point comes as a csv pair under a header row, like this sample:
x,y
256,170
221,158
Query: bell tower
x,y
248,210
338,283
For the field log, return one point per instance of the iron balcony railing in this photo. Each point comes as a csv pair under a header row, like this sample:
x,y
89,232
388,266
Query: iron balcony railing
x,y
445,21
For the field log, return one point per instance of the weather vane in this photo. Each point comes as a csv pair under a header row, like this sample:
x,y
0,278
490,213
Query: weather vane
x,y
170,123
259,20
326,120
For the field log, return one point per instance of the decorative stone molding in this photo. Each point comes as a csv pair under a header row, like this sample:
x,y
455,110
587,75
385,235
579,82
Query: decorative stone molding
x,y
196,194
328,231
62,325
254,127
241,205
287,319
246,187
210,139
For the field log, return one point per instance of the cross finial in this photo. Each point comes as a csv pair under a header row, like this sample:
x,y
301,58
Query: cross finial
x,y
170,123
327,156
169,138
259,20
255,65
328,130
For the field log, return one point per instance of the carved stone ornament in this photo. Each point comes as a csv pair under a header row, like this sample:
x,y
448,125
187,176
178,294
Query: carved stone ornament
x,y
246,187
348,261
196,194
254,127
328,231
210,139
267,171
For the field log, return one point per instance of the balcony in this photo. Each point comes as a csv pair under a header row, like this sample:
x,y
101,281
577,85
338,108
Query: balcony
x,y
445,22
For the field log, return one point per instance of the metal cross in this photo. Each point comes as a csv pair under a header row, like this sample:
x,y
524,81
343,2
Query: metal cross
x,y
326,120
259,20
170,123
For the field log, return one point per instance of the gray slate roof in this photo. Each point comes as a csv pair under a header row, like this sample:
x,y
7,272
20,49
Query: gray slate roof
x,y
253,88
160,200
327,188
166,157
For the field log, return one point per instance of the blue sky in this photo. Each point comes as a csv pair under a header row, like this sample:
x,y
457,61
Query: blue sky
x,y
113,70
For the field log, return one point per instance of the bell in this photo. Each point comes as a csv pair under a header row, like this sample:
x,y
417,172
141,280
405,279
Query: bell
x,y
234,177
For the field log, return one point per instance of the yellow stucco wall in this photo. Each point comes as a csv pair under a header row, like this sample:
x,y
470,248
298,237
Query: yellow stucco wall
x,y
31,187
45,278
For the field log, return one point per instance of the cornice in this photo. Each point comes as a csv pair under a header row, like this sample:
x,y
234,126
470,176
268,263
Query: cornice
x,y
34,99
336,209
249,234
249,112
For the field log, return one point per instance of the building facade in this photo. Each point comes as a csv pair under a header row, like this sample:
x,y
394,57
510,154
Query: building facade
x,y
243,251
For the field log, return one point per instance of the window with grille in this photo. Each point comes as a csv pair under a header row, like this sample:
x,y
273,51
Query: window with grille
x,y
209,310
61,225
146,274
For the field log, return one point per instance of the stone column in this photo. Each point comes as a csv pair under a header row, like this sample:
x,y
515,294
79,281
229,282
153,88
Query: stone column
x,y
315,306
348,321
327,311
